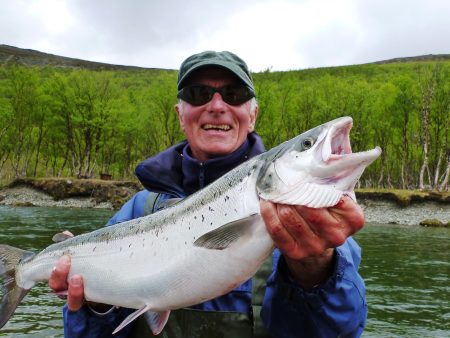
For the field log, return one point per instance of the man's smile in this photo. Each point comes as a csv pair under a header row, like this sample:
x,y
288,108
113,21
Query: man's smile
x,y
224,127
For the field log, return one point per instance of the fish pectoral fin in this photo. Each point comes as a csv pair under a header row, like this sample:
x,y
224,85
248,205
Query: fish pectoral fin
x,y
168,203
157,320
131,317
221,238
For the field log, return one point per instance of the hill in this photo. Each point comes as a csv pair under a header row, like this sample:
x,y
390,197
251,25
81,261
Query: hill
x,y
428,57
30,57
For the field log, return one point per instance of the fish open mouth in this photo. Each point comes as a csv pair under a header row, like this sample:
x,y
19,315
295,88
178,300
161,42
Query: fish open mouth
x,y
337,141
336,151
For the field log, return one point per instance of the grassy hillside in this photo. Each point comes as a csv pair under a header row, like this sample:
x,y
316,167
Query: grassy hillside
x,y
68,117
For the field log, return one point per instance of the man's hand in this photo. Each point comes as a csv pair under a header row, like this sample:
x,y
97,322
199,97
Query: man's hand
x,y
59,283
307,237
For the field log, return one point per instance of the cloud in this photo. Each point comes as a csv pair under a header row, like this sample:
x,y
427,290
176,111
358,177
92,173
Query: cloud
x,y
276,34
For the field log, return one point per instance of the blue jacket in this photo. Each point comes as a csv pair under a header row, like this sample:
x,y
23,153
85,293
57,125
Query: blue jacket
x,y
335,308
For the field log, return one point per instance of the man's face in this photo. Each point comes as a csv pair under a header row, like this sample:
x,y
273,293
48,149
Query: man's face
x,y
215,128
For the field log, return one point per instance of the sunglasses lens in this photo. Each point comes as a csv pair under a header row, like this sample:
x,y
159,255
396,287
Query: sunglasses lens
x,y
196,95
199,95
235,95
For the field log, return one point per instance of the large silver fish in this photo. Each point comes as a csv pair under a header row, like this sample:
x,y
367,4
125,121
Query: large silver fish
x,y
204,246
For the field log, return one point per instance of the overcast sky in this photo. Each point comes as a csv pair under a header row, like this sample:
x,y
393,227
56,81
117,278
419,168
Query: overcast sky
x,y
280,35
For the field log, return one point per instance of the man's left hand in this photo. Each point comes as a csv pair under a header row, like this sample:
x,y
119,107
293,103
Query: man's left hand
x,y
307,236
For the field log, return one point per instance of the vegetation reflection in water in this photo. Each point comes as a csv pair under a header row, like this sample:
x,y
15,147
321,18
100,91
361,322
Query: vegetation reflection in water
x,y
406,270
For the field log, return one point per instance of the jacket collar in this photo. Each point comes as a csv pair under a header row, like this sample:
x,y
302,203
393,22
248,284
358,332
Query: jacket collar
x,y
176,172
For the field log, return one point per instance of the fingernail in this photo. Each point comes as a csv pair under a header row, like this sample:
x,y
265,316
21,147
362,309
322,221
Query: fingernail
x,y
75,281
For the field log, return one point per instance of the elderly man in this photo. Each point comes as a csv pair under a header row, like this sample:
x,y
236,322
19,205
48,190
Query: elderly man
x,y
312,289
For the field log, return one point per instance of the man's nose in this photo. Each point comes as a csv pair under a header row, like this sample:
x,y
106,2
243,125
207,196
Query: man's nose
x,y
217,103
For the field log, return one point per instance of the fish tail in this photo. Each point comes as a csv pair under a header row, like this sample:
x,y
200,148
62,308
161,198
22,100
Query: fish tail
x,y
11,293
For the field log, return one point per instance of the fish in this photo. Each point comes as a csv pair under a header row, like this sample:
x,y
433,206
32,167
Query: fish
x,y
203,246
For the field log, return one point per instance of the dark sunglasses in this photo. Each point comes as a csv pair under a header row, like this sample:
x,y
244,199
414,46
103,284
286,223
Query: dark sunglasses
x,y
198,95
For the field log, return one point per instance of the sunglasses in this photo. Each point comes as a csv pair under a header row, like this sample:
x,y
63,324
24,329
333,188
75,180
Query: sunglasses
x,y
198,95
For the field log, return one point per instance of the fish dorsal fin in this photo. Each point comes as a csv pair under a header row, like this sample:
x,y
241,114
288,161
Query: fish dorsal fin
x,y
131,317
62,236
221,238
157,320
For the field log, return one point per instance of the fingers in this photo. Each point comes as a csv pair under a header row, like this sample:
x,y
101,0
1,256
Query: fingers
x,y
349,212
288,230
75,297
274,226
58,277
301,232
59,283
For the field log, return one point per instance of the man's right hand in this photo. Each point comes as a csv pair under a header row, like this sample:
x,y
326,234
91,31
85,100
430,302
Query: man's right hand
x,y
59,283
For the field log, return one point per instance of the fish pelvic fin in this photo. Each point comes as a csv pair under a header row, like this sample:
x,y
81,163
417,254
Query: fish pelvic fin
x,y
221,238
156,320
12,294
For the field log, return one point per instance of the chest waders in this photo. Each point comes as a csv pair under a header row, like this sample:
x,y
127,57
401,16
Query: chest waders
x,y
192,323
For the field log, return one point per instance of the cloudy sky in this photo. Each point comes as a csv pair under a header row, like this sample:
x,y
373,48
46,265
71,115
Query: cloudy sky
x,y
268,34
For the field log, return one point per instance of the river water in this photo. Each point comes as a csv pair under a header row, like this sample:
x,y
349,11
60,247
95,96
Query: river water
x,y
406,269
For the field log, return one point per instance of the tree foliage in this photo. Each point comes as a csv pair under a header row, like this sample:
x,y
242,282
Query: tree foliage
x,y
75,122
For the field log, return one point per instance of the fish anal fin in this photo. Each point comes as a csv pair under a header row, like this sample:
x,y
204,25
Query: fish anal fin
x,y
157,320
221,238
131,318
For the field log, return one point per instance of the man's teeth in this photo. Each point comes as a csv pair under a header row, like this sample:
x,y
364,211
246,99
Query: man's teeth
x,y
216,126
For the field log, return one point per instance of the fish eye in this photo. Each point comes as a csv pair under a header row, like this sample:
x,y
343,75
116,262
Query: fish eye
x,y
308,143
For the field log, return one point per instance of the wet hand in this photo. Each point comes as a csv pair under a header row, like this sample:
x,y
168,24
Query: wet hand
x,y
307,236
59,283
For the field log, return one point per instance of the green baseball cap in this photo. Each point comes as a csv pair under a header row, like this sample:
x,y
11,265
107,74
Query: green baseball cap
x,y
224,59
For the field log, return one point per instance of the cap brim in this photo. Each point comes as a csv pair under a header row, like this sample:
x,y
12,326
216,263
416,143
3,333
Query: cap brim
x,y
226,65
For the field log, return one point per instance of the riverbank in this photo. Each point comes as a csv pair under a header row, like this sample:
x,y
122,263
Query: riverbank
x,y
68,192
380,206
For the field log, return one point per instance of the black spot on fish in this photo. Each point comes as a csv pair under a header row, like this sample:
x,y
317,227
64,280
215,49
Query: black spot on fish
x,y
129,245
210,209
203,218
120,248
195,217
94,248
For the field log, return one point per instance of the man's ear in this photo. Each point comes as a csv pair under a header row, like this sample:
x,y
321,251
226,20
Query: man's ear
x,y
253,117
179,111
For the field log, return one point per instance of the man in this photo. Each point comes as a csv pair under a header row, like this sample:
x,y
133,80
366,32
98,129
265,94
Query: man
x,y
314,289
